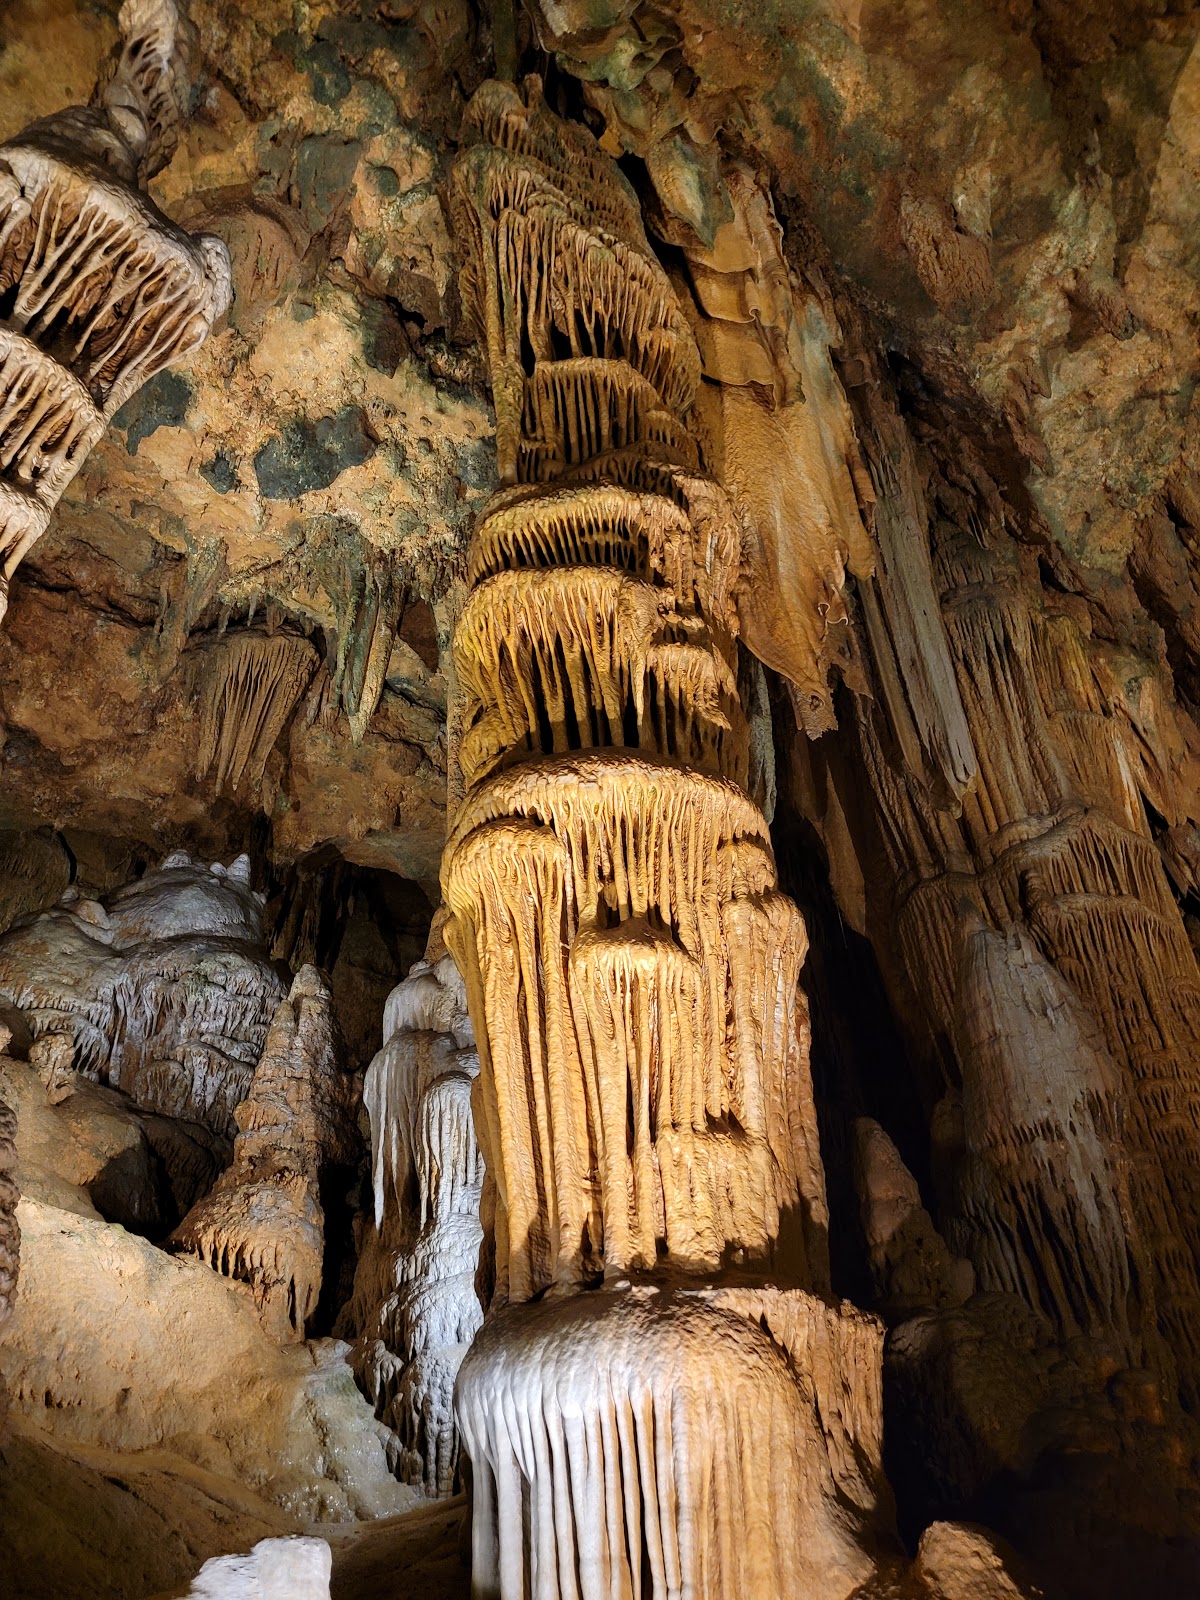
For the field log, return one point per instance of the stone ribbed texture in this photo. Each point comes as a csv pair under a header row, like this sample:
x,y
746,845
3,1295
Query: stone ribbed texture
x,y
644,1104
98,290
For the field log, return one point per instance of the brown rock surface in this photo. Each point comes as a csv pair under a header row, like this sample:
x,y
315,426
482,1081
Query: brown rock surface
x,y
116,1344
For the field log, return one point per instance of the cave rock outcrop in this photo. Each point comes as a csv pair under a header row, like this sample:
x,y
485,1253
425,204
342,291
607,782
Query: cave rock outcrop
x,y
163,990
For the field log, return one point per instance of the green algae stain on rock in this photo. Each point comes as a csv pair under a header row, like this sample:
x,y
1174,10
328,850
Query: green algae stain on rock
x,y
324,171
220,473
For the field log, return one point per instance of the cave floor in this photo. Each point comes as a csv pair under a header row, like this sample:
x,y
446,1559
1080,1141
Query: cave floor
x,y
82,1523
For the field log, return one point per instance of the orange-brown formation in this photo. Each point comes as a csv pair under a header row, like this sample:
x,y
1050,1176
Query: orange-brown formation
x,y
251,687
644,1103
98,290
263,1222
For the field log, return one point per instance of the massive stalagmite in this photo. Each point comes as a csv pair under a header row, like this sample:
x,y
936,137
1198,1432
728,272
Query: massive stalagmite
x,y
654,1190
98,290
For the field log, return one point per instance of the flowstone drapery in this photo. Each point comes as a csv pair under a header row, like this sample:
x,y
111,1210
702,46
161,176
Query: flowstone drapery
x,y
657,1349
98,290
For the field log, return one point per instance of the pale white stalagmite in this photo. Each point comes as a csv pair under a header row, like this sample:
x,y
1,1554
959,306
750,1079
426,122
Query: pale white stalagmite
x,y
98,290
416,1304
263,1221
679,1413
164,990
295,1568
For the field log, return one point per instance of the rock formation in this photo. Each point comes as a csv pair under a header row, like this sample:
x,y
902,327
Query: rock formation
x,y
98,290
1051,839
10,1231
644,1105
263,1222
1043,1209
163,990
276,1569
416,1306
251,689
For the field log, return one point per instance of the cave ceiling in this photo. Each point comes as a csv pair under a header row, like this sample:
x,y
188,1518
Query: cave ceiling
x,y
999,199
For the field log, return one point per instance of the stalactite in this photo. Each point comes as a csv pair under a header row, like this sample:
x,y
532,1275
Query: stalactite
x,y
98,290
781,438
253,684
906,635
586,657
1052,842
263,1221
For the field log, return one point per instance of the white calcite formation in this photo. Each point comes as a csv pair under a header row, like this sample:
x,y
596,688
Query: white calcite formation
x,y
276,1569
98,290
661,1402
263,1222
163,990
415,1299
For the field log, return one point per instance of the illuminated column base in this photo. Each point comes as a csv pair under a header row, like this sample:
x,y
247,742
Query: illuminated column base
x,y
660,1444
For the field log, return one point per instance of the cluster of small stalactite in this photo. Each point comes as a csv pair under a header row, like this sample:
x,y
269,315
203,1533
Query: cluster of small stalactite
x,y
251,689
589,351
98,290
581,658
644,1105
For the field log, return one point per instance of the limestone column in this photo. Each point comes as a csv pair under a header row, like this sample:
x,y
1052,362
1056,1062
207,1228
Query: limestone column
x,y
662,1400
